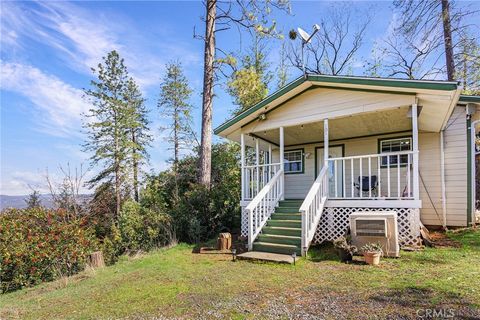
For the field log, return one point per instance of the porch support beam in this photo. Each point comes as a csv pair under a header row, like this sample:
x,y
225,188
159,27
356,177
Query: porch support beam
x,y
282,147
416,185
325,142
242,164
257,163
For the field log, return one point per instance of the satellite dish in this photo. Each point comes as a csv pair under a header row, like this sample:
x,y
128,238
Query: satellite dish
x,y
305,36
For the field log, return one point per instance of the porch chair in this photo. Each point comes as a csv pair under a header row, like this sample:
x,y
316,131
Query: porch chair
x,y
366,186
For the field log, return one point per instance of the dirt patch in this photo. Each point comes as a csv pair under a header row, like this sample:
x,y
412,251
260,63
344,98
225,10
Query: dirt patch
x,y
440,240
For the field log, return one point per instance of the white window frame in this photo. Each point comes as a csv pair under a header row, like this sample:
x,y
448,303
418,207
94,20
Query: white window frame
x,y
301,161
393,159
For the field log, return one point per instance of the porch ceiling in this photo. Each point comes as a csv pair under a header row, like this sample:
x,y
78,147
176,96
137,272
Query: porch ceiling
x,y
359,125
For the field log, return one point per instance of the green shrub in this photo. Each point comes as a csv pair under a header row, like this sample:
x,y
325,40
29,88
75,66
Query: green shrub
x,y
198,213
41,245
143,228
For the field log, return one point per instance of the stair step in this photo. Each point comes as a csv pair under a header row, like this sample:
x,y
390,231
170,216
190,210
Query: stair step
x,y
284,223
272,238
289,203
296,232
286,216
287,209
276,248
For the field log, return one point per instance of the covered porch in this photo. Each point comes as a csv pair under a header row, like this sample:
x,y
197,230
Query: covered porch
x,y
369,157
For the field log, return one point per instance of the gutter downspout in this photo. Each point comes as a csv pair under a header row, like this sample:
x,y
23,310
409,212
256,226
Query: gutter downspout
x,y
442,175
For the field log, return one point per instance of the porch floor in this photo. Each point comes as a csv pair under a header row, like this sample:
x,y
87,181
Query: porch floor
x,y
266,256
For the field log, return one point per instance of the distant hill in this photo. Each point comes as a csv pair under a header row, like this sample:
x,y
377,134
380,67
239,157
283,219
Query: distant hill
x,y
19,201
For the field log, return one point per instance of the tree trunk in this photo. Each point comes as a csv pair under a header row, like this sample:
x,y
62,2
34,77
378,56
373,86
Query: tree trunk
x,y
447,37
175,151
95,260
208,74
117,170
135,167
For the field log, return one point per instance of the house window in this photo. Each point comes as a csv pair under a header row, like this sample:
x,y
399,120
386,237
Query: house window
x,y
395,145
293,161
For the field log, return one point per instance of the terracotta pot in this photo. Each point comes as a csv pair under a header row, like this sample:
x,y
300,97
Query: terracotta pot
x,y
372,258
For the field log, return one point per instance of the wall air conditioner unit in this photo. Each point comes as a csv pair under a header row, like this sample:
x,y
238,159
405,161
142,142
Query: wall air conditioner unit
x,y
376,227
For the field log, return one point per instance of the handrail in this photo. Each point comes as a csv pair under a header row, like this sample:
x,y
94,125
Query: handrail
x,y
385,154
262,206
312,207
262,165
389,175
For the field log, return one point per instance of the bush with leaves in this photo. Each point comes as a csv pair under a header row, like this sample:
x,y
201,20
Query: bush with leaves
x,y
39,245
143,228
199,213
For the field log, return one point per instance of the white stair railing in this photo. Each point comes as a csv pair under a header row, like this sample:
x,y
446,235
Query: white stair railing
x,y
263,205
312,208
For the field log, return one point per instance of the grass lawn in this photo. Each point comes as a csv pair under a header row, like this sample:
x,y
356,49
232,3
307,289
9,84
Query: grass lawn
x,y
175,283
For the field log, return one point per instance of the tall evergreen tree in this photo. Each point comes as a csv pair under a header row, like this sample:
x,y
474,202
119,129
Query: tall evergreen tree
x,y
109,126
174,104
140,137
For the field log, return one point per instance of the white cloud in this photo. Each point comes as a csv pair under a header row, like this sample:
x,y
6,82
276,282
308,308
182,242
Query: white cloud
x,y
59,105
22,182
83,37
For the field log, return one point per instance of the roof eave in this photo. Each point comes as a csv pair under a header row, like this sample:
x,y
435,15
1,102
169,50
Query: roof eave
x,y
359,81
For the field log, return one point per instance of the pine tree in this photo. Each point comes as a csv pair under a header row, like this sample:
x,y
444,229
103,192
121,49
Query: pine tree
x,y
140,137
174,104
33,200
108,129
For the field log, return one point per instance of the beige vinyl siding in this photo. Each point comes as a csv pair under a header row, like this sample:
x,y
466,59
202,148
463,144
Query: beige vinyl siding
x,y
430,179
456,168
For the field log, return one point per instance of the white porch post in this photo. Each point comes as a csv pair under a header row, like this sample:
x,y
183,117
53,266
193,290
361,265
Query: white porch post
x,y
325,142
269,161
242,164
282,184
257,163
416,185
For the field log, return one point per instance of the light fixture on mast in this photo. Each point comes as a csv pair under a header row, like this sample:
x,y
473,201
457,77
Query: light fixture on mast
x,y
306,38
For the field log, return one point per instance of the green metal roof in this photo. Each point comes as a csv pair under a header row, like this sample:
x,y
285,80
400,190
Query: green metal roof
x,y
382,82
464,98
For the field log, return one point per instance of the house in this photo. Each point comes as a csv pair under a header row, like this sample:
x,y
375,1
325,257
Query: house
x,y
324,146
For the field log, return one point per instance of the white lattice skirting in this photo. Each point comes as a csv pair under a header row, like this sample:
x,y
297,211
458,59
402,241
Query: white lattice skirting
x,y
335,221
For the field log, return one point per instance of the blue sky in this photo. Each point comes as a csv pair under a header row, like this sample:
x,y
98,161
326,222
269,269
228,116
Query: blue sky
x,y
47,50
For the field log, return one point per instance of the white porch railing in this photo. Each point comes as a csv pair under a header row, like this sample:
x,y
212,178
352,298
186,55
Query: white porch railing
x,y
312,208
256,177
374,176
263,205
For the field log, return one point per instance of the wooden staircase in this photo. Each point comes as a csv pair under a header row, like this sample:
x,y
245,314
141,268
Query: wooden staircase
x,y
282,233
